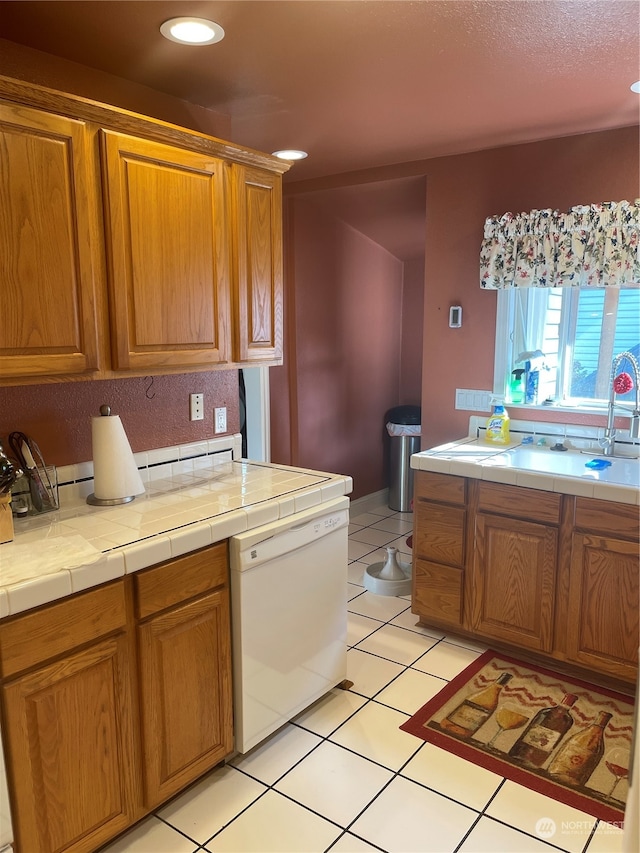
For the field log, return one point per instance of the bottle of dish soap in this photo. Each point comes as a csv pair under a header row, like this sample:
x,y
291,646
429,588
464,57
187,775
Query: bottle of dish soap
x,y
498,424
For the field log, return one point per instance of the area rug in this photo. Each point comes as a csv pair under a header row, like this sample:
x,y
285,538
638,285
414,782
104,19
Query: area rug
x,y
561,737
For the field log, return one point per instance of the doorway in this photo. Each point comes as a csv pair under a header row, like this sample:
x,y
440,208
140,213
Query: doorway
x,y
256,428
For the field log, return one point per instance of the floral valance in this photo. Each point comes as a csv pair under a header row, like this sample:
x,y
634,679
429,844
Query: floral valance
x,y
595,245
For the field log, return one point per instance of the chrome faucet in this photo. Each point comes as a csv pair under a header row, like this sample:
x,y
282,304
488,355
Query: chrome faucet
x,y
609,440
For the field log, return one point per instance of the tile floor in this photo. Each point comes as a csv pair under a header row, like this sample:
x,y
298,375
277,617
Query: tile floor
x,y
342,777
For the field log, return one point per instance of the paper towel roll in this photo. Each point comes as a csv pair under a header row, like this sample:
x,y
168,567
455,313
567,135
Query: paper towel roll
x,y
115,474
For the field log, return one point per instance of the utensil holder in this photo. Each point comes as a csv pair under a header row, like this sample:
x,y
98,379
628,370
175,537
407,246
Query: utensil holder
x,y
21,493
6,519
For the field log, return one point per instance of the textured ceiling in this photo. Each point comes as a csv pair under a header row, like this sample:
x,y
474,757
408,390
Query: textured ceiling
x,y
362,84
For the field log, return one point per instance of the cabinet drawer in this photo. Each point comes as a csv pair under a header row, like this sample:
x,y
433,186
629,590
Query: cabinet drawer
x,y
437,592
607,517
36,637
439,533
518,502
440,487
179,580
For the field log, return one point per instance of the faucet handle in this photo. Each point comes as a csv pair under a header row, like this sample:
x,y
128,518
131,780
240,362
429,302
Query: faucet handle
x,y
607,443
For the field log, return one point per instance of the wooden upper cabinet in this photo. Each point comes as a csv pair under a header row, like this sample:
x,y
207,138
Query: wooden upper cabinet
x,y
258,289
167,254
48,242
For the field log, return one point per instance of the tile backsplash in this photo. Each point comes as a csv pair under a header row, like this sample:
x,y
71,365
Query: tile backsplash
x,y
577,436
75,482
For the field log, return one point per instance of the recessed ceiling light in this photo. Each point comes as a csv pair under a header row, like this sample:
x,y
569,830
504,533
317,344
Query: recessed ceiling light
x,y
192,31
635,87
290,154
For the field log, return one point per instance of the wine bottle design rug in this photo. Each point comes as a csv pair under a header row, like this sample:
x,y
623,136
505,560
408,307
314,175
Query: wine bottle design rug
x,y
563,738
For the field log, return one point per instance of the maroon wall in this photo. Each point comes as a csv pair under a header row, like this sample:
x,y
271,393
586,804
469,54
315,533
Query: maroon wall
x,y
327,268
343,355
154,413
43,69
461,192
354,342
412,332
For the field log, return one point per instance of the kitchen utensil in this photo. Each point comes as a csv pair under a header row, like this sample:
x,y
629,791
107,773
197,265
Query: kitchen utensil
x,y
41,489
9,472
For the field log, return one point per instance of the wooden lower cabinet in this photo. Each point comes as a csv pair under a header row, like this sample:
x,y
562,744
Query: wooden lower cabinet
x,y
115,699
70,733
551,574
69,722
514,581
439,548
185,690
603,625
437,592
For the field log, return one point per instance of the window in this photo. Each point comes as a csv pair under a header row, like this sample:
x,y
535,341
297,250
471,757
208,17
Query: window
x,y
569,337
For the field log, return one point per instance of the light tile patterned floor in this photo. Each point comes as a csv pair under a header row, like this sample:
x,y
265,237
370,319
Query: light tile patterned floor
x,y
342,777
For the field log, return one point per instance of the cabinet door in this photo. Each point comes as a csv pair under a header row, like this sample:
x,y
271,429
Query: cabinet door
x,y
603,629
167,248
439,533
258,319
439,554
47,248
437,592
514,581
71,756
185,668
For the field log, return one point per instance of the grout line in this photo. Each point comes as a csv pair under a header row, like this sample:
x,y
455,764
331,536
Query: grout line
x,y
368,700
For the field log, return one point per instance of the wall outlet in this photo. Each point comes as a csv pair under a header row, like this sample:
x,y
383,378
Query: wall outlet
x,y
220,419
196,407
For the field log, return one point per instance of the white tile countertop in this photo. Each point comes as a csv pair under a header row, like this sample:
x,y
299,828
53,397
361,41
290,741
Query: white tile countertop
x,y
190,502
531,460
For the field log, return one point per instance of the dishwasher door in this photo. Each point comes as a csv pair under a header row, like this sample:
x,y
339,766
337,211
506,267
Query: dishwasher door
x,y
289,617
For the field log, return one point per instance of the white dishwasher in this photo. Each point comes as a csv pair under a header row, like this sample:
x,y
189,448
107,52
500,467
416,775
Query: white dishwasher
x,y
288,616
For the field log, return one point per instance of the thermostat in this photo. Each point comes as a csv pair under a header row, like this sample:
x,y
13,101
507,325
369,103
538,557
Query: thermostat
x,y
455,316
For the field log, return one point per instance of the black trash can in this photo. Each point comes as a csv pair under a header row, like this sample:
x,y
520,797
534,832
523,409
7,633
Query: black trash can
x,y
403,443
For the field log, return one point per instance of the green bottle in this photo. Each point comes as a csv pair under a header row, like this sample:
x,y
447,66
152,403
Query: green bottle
x,y
516,385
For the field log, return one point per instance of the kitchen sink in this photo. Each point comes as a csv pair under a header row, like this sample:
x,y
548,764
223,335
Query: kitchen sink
x,y
622,471
611,456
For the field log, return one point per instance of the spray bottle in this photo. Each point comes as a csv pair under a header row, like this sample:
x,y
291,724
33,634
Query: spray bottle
x,y
517,385
498,423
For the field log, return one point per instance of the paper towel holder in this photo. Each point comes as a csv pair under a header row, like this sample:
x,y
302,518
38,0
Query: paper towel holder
x,y
117,486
